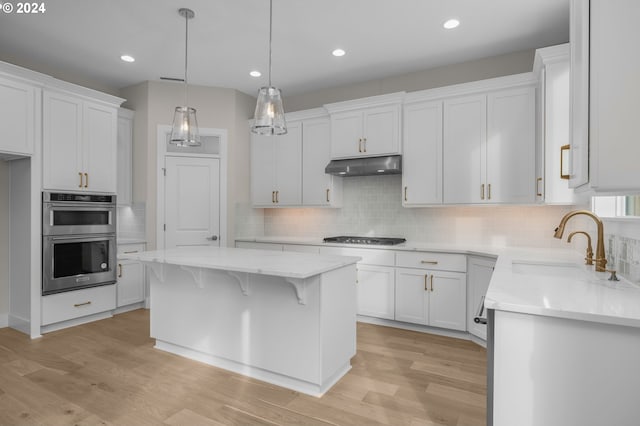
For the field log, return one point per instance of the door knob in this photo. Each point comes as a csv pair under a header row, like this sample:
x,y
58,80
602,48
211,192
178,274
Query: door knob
x,y
212,238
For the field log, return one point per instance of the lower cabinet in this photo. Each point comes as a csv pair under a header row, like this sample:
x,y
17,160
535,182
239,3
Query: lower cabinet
x,y
434,298
76,304
479,270
130,286
375,290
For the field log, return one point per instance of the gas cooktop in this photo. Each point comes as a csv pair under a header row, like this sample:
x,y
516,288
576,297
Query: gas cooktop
x,y
381,241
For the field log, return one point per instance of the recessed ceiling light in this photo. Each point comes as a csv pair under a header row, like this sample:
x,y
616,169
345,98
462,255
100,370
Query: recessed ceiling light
x,y
128,58
451,23
255,73
338,52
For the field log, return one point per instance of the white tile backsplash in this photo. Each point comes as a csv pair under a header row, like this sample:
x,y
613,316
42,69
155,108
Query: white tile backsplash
x,y
131,221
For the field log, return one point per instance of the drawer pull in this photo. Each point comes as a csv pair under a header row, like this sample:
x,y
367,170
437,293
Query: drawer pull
x,y
429,262
132,251
77,305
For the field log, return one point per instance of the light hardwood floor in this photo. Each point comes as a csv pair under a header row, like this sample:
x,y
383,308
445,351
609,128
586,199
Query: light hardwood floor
x,y
107,372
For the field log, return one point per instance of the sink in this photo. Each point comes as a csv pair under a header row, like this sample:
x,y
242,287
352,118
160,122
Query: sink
x,y
563,270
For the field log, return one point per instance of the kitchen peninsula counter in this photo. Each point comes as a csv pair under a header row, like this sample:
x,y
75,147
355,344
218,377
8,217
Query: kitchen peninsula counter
x,y
285,318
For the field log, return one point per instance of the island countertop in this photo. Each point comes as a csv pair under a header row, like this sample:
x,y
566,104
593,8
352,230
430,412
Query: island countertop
x,y
265,262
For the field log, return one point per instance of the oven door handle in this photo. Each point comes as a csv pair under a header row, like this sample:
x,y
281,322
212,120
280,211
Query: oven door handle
x,y
82,237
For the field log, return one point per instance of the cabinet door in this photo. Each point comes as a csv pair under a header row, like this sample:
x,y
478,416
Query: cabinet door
x,y
479,271
346,134
579,38
381,131
61,144
263,170
511,153
422,160
17,117
130,284
289,166
412,296
448,300
125,146
100,124
316,154
465,132
376,291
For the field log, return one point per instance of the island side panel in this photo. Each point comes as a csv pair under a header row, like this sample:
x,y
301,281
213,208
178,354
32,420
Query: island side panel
x,y
338,322
267,328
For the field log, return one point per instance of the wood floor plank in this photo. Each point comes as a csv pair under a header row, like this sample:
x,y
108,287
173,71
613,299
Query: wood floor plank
x,y
107,372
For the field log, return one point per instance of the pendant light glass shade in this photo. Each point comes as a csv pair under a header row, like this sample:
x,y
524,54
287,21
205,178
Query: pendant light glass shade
x,y
269,114
184,131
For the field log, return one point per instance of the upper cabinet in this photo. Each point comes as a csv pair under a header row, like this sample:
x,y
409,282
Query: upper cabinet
x,y
79,143
18,101
551,65
125,154
318,188
605,65
366,127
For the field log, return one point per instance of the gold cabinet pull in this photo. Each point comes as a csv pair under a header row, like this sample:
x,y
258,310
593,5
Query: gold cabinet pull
x,y
563,149
273,196
482,191
80,174
277,197
489,192
429,262
82,304
129,252
328,195
365,144
360,145
86,180
119,270
538,182
405,193
425,282
431,282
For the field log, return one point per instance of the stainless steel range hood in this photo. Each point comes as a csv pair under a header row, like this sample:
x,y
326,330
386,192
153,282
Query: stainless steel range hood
x,y
387,165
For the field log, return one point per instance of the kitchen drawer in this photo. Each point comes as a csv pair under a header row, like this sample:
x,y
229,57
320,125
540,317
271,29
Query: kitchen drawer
x,y
127,248
78,303
432,261
369,256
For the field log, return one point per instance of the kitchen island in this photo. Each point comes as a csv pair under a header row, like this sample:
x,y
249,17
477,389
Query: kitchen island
x,y
284,318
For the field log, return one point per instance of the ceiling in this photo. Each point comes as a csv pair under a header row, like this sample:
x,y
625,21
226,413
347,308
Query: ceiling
x,y
229,38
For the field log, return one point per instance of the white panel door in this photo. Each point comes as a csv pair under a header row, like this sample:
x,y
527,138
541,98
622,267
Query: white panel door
x,y
192,202
61,144
346,134
17,117
289,166
422,159
448,300
263,170
465,133
579,93
511,146
412,296
100,147
316,154
376,291
381,130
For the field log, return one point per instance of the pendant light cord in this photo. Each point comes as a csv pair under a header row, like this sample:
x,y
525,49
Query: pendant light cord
x,y
270,36
186,55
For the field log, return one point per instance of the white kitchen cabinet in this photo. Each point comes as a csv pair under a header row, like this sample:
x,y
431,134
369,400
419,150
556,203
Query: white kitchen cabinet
x,y
131,283
72,305
376,291
276,168
579,92
79,144
422,159
125,156
552,122
479,272
429,297
318,188
366,127
18,103
489,147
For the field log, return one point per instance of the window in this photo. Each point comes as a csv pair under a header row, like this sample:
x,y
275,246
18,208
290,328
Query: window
x,y
616,206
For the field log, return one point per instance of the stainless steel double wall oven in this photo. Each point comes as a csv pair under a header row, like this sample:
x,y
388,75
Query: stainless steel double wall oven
x,y
78,241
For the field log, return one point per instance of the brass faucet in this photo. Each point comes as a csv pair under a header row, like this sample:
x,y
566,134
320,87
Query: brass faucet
x,y
589,258
601,261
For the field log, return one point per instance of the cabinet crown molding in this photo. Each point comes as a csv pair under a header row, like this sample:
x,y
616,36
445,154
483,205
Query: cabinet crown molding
x,y
551,54
371,101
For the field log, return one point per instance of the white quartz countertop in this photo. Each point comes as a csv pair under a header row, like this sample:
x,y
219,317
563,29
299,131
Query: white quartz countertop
x,y
537,281
265,262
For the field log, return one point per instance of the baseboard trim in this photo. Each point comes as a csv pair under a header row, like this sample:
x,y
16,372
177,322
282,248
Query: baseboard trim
x,y
414,327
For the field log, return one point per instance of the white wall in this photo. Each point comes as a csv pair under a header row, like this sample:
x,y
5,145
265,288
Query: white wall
x,y
4,241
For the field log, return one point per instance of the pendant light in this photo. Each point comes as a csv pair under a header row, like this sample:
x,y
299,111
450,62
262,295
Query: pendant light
x,y
269,114
184,131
